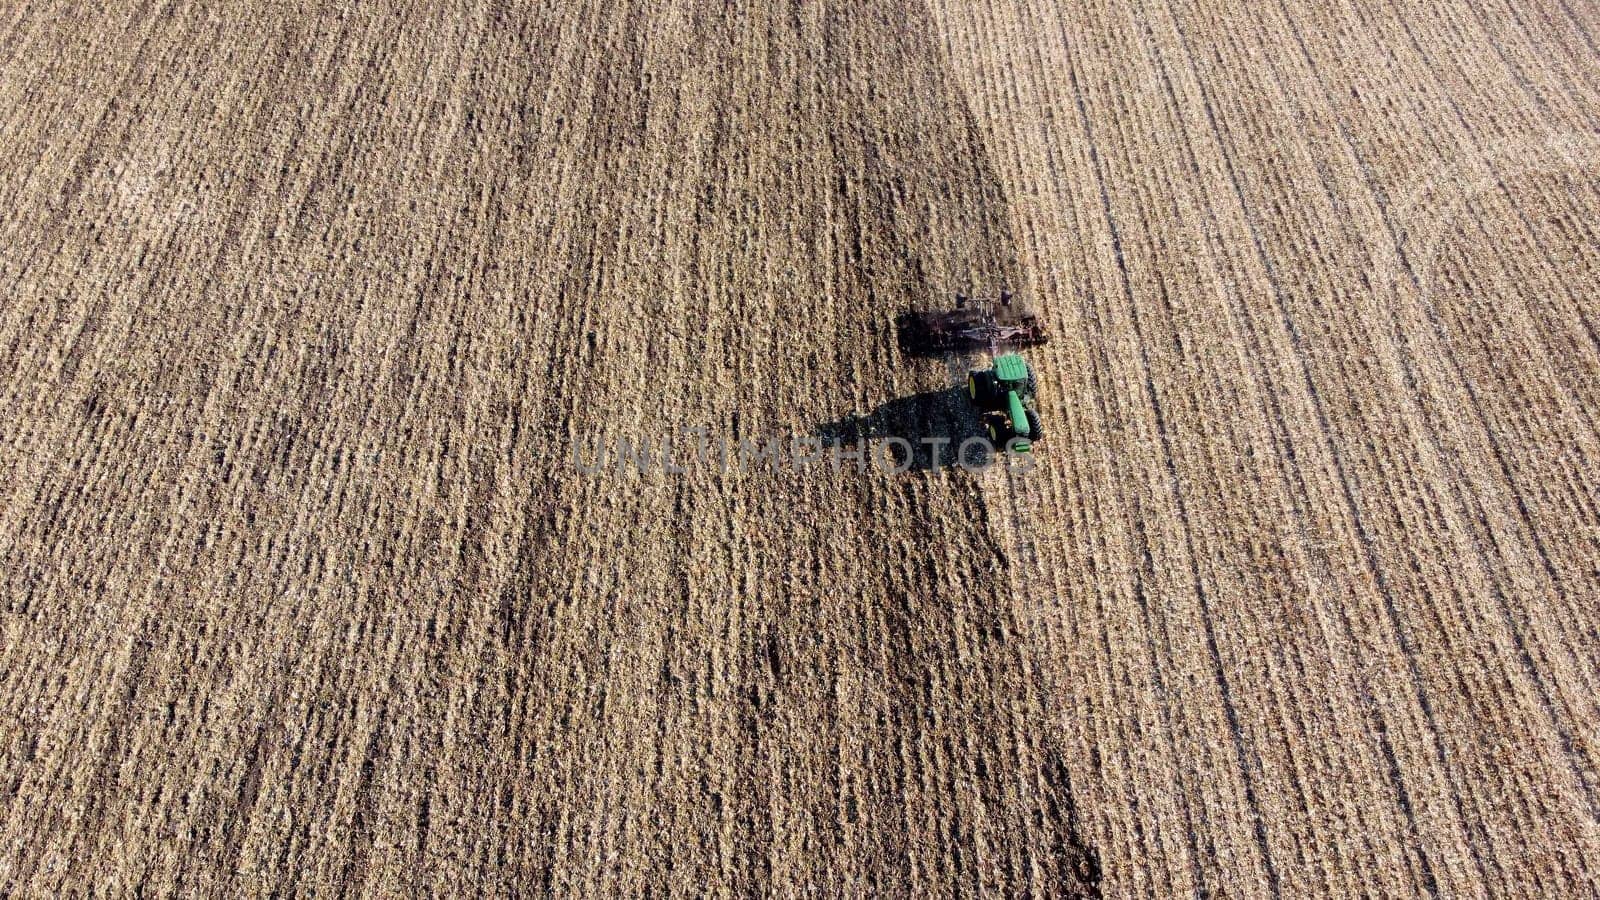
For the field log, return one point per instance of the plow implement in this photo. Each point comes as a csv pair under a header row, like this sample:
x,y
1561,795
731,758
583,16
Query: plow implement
x,y
966,329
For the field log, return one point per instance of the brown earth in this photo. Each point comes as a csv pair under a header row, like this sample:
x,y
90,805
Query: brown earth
x,y
308,307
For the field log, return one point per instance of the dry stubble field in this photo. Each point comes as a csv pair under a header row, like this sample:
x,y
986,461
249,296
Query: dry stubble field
x,y
306,305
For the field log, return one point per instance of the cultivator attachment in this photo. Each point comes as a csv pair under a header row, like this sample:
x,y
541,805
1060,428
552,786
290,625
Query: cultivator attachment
x,y
966,329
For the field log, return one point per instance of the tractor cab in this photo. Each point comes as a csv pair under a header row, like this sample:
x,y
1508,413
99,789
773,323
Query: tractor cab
x,y
1010,372
1004,396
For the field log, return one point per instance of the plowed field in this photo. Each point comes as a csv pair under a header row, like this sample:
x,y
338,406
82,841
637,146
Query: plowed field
x,y
315,320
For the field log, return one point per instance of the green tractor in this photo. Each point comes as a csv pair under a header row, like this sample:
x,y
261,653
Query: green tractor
x,y
1004,398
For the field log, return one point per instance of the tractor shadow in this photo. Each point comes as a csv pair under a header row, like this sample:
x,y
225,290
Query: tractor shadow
x,y
933,423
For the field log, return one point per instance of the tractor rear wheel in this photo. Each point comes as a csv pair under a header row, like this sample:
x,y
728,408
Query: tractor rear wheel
x,y
981,388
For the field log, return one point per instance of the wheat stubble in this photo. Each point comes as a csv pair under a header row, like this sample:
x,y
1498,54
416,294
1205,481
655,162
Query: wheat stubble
x,y
305,307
